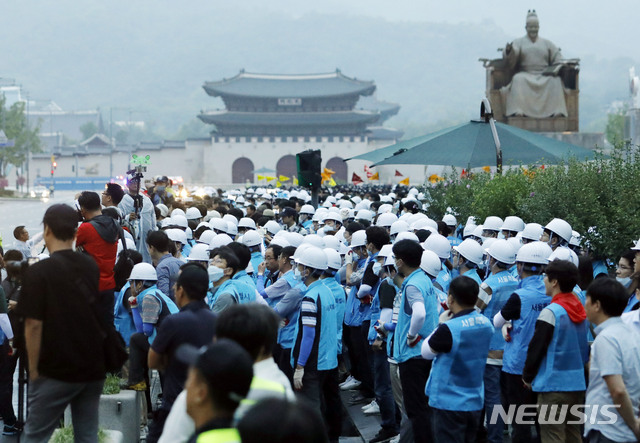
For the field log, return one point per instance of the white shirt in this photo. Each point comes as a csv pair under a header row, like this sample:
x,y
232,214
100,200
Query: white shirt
x,y
632,319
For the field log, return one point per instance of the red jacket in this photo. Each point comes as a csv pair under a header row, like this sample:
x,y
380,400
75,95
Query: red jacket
x,y
99,238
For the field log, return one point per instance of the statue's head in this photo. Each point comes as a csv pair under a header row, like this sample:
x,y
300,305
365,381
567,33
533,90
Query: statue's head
x,y
532,25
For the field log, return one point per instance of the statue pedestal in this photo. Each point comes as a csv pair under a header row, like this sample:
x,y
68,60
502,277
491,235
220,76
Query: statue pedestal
x,y
587,140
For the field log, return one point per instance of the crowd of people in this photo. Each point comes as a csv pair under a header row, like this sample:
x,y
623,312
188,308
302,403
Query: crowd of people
x,y
257,307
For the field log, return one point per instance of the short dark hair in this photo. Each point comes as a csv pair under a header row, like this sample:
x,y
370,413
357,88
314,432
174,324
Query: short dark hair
x,y
277,249
610,293
565,272
159,240
409,252
13,255
198,232
89,200
378,236
112,212
288,251
114,191
227,254
443,228
236,212
252,326
464,290
354,227
194,279
62,220
242,252
422,234
288,421
17,231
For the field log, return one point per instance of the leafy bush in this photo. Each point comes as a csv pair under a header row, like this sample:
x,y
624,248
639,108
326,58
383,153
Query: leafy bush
x,y
598,198
111,385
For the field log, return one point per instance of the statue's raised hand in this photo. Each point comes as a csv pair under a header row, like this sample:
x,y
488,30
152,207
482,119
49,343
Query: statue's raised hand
x,y
508,48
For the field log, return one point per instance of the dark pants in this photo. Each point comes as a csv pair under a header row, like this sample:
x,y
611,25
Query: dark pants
x,y
389,412
155,430
413,377
360,367
492,398
320,390
515,393
7,368
106,303
138,355
455,426
597,437
284,363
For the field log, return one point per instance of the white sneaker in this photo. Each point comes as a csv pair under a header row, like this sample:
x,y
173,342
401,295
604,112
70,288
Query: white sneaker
x,y
374,409
347,380
367,406
395,439
350,384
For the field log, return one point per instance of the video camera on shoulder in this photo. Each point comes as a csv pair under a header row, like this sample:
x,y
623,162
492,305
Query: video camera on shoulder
x,y
18,268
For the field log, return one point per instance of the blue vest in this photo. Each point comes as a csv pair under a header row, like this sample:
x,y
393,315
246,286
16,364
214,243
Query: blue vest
x,y
444,279
514,271
631,303
456,379
286,334
401,351
186,250
256,259
325,342
453,241
244,286
533,299
473,273
165,303
562,369
355,311
340,299
441,297
502,286
122,317
375,314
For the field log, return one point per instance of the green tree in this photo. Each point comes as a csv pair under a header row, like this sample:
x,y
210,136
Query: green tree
x,y
614,131
13,121
88,129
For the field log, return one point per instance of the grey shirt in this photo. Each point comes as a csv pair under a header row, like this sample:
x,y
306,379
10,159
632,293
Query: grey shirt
x,y
615,351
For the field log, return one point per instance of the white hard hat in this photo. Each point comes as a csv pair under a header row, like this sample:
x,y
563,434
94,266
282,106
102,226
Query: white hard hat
x,y
468,230
486,244
179,220
561,228
430,263
177,235
280,241
232,229
213,214
307,209
314,240
575,239
512,223
143,271
331,241
386,219
219,241
502,251
450,220
399,226
386,251
470,250
636,246
515,243
419,224
314,258
178,211
407,236
345,204
164,211
272,227
385,208
492,223
331,215
295,238
389,260
193,213
251,238
563,253
199,252
218,224
532,231
364,214
230,219
334,261
206,237
535,252
438,244
477,232
358,238
246,222
299,250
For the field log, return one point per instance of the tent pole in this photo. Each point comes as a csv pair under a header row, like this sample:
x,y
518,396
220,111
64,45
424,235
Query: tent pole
x,y
487,115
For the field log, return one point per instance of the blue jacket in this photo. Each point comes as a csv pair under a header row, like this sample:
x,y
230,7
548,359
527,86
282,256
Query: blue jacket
x,y
340,299
502,286
122,317
355,312
456,382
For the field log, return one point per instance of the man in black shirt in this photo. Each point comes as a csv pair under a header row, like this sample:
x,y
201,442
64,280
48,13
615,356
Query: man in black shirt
x,y
195,324
63,340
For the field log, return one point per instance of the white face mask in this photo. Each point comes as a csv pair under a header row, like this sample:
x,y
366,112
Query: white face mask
x,y
377,267
328,228
215,273
297,274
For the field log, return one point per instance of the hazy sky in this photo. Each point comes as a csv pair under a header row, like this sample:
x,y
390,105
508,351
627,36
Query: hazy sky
x,y
603,28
